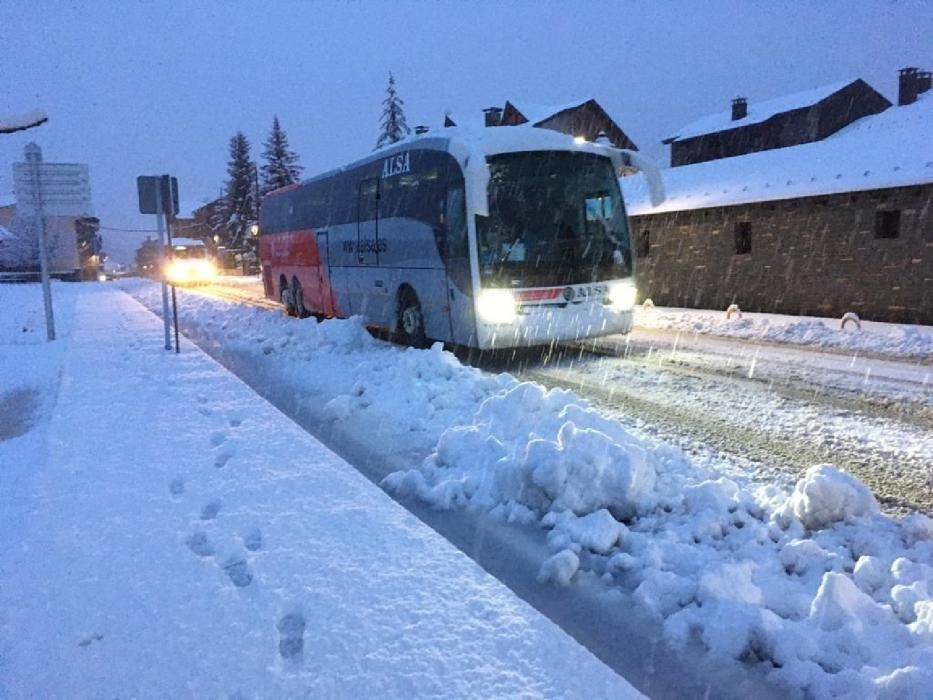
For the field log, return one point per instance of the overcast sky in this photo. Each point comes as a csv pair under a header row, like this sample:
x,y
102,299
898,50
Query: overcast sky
x,y
143,88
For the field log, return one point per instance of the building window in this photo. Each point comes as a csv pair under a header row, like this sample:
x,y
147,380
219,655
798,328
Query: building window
x,y
888,223
743,237
643,246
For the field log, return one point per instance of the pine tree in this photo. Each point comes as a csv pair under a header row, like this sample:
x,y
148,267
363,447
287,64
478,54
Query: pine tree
x,y
237,209
281,167
394,127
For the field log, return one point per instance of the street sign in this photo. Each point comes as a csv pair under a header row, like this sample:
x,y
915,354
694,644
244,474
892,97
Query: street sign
x,y
146,186
65,188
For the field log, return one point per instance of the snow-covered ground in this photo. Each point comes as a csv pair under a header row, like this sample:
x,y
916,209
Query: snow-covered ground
x,y
898,340
811,588
167,533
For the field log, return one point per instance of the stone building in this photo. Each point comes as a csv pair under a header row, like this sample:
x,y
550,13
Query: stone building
x,y
785,121
823,228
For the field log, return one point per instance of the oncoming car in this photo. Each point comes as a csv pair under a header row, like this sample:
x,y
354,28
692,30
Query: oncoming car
x,y
189,263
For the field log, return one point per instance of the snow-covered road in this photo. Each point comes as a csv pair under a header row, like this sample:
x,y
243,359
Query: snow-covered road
x,y
770,408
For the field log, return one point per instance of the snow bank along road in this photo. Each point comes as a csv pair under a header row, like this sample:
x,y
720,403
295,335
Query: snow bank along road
x,y
655,559
166,533
770,393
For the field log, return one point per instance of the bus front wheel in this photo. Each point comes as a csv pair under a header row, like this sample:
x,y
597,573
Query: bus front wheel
x,y
409,327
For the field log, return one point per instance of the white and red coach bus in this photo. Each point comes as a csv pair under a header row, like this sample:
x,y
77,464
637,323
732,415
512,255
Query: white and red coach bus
x,y
512,237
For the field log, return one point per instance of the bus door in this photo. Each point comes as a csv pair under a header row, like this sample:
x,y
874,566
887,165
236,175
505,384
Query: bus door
x,y
325,291
367,247
457,265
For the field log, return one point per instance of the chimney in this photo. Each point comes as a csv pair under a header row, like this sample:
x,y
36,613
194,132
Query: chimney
x,y
493,116
448,122
907,86
739,108
924,81
421,129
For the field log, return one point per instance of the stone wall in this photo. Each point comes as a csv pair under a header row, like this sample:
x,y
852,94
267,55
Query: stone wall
x,y
813,256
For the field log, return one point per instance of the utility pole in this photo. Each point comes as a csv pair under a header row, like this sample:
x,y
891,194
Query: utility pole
x,y
34,158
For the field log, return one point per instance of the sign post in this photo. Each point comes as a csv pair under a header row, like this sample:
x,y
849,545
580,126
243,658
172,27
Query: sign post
x,y
158,194
34,158
169,187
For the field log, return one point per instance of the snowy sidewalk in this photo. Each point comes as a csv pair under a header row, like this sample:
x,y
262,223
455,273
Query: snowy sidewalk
x,y
167,533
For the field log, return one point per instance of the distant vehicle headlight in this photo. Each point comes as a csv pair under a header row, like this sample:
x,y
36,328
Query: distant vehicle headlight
x,y
178,272
101,277
496,306
622,295
203,269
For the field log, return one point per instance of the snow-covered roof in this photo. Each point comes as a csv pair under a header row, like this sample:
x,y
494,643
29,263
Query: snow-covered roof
x,y
758,111
7,200
19,122
890,149
536,113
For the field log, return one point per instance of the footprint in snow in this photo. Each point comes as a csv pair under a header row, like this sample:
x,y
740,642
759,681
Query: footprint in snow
x,y
204,410
201,398
199,544
238,571
218,437
292,629
222,458
87,641
177,486
235,422
210,509
252,540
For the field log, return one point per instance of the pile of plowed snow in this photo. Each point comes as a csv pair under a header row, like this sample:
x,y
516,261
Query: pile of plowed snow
x,y
836,598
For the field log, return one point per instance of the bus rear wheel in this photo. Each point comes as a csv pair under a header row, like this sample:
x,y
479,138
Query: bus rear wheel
x,y
298,299
409,326
285,296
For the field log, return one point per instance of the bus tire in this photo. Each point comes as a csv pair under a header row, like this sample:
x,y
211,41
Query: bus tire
x,y
298,299
285,296
409,326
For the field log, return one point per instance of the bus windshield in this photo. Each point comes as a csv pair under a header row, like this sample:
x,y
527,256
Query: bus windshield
x,y
555,218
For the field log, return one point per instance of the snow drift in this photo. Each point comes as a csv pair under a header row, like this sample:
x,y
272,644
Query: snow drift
x,y
835,598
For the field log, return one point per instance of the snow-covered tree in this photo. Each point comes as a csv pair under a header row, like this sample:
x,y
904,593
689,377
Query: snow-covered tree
x,y
281,167
237,209
393,125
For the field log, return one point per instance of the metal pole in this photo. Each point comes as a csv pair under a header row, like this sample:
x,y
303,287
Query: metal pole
x,y
165,318
43,253
168,231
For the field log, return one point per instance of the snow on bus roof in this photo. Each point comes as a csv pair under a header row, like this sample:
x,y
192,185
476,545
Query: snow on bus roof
x,y
890,149
758,111
462,141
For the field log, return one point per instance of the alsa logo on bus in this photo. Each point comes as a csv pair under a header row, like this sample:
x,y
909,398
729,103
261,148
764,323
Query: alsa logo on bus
x,y
396,165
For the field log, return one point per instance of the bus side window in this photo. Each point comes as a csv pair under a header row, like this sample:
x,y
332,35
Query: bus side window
x,y
457,246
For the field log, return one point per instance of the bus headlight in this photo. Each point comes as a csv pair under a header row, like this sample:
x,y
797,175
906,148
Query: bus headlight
x,y
496,306
622,296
